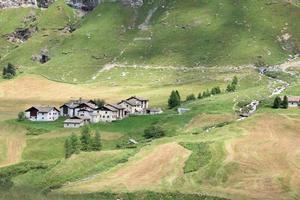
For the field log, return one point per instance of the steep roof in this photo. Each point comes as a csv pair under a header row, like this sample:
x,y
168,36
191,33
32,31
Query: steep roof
x,y
110,107
77,102
138,98
118,107
43,109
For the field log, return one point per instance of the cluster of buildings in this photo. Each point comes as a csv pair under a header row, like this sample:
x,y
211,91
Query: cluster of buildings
x,y
80,112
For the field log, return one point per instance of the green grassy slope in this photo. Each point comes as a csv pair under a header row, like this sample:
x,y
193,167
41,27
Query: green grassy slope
x,y
180,33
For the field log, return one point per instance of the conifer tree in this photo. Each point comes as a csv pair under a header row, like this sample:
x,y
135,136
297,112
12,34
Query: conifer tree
x,y
174,99
178,96
235,80
285,102
191,97
200,95
277,102
85,139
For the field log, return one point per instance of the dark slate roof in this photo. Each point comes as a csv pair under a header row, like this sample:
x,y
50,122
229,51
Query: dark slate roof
x,y
77,102
118,107
138,98
43,109
110,107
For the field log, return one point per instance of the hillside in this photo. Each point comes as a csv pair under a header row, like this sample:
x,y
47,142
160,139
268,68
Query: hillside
x,y
124,48
169,33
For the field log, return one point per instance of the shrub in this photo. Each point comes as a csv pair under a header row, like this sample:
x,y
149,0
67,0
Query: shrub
x,y
21,116
9,71
191,97
154,131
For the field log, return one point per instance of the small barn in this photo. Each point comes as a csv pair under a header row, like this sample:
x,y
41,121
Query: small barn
x,y
74,122
294,101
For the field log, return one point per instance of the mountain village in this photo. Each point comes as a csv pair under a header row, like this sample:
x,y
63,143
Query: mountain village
x,y
81,111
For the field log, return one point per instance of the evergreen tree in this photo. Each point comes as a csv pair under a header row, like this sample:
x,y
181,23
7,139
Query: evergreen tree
x,y
215,90
231,87
277,102
174,99
4,71
285,102
68,148
178,96
218,90
99,102
85,139
96,145
191,97
235,80
11,69
75,144
200,95
207,93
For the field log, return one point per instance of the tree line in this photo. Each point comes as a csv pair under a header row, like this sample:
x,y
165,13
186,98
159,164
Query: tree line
x,y
175,99
87,143
281,103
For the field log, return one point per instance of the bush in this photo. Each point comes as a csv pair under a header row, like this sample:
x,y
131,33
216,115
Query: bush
x,y
21,116
191,97
216,90
154,131
9,71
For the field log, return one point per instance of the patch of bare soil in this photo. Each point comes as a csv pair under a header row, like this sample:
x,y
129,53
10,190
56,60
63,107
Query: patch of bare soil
x,y
268,159
147,170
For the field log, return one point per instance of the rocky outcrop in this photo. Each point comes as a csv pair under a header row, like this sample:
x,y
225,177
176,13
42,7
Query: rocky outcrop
x,y
133,3
25,3
43,57
17,3
88,5
44,3
20,35
85,5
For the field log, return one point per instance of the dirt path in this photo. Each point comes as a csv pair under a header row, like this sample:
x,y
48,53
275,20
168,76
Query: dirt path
x,y
159,167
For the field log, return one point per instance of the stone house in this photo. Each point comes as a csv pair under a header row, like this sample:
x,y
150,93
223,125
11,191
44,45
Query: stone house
x,y
71,108
134,105
74,122
42,113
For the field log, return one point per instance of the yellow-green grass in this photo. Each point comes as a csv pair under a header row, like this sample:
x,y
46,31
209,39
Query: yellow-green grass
x,y
12,143
77,167
182,34
259,153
